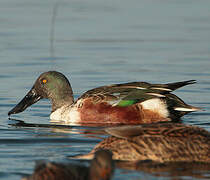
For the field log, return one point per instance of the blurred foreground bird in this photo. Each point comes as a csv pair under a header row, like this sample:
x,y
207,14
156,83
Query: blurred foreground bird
x,y
101,168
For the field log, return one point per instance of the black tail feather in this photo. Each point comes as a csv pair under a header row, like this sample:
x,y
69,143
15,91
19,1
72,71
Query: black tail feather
x,y
176,85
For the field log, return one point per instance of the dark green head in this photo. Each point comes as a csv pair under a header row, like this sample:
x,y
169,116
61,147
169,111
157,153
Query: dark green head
x,y
51,85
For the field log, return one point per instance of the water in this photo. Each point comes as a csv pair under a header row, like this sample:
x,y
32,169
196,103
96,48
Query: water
x,y
96,43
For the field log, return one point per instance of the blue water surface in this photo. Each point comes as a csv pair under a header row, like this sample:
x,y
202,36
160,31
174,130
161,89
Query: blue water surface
x,y
94,43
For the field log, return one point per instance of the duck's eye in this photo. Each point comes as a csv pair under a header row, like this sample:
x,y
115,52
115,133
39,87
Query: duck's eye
x,y
44,81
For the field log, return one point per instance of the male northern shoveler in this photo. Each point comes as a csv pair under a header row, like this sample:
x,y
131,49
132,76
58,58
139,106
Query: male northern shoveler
x,y
101,168
158,142
129,103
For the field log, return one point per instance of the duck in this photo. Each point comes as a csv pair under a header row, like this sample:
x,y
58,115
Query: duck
x,y
156,142
101,168
127,103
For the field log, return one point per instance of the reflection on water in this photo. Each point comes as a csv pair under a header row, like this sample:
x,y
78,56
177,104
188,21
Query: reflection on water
x,y
88,131
58,134
173,170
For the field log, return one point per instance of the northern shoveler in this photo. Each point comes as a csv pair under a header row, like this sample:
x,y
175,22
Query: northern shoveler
x,y
101,168
128,103
158,142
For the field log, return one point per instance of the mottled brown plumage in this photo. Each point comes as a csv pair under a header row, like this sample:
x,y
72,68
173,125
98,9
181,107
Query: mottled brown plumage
x,y
162,142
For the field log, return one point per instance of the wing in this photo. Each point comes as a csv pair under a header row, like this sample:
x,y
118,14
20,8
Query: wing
x,y
130,93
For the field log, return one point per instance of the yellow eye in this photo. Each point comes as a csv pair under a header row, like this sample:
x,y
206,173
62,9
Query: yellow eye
x,y
44,81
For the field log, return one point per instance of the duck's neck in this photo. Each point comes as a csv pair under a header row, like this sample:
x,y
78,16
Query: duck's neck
x,y
57,103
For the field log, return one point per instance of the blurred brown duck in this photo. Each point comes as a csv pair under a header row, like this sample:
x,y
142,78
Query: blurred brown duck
x,y
101,168
159,142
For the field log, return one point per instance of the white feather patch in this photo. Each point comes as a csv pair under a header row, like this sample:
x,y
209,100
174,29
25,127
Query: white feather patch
x,y
138,87
115,102
156,105
184,109
156,94
67,114
162,89
116,94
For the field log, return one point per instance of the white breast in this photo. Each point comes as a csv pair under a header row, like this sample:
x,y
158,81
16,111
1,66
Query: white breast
x,y
156,105
68,114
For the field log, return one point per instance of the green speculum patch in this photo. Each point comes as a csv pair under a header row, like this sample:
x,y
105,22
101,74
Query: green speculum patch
x,y
125,103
